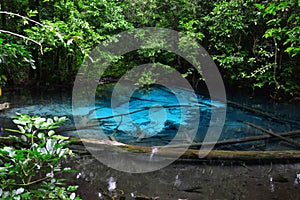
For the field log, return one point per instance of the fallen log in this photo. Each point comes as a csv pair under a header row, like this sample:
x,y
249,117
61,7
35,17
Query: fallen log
x,y
218,143
194,154
290,141
237,140
174,152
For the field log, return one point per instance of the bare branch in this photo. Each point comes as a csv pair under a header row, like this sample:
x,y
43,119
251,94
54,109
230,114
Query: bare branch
x,y
23,17
23,37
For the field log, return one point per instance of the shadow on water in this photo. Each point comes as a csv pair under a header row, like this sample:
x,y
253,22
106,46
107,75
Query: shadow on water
x,y
189,180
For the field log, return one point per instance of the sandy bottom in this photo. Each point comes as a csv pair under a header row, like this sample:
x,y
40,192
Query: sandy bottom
x,y
189,180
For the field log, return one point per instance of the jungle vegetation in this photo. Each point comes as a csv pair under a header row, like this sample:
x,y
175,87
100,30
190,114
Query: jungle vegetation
x,y
255,44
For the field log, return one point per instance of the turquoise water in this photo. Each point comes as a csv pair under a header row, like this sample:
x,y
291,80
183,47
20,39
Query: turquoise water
x,y
153,117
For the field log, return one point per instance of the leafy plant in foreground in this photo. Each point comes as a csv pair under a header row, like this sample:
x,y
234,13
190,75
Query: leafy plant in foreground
x,y
31,169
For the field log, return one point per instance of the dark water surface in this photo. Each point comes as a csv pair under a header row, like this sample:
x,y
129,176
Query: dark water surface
x,y
191,181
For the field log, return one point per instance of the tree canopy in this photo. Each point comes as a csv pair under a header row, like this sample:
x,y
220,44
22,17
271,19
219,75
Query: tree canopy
x,y
255,44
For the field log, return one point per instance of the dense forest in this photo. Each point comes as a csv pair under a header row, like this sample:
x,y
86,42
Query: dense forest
x,y
255,44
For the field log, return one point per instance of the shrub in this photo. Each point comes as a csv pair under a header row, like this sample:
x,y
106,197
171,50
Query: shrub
x,y
31,168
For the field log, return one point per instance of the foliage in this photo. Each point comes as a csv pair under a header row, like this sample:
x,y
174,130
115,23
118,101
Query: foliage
x,y
283,33
14,54
249,48
67,31
31,170
254,43
283,23
228,26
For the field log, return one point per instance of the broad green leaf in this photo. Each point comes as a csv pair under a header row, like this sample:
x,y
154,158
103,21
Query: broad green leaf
x,y
51,133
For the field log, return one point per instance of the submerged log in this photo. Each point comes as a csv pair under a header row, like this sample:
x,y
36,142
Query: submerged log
x,y
86,122
237,140
194,154
243,107
175,152
261,113
290,141
252,155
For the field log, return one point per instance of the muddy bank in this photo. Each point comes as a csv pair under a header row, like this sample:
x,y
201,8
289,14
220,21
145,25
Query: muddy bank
x,y
191,180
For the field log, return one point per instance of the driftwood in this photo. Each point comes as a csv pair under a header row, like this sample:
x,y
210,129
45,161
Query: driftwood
x,y
237,140
194,154
218,143
261,113
290,141
174,152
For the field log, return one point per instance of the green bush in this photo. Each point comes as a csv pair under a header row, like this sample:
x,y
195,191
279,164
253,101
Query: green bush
x,y
31,168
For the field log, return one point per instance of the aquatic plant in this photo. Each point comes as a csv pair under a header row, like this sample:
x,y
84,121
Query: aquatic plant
x,y
32,168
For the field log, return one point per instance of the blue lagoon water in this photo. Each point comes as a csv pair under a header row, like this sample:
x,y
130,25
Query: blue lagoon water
x,y
152,117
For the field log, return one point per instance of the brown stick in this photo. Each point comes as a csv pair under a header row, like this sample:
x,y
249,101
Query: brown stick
x,y
238,140
264,114
174,152
290,141
194,154
23,17
218,143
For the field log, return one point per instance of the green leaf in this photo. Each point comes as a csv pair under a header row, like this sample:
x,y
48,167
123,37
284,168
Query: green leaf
x,y
19,191
41,135
62,119
51,133
16,121
60,137
259,6
32,13
291,17
72,188
11,151
12,130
